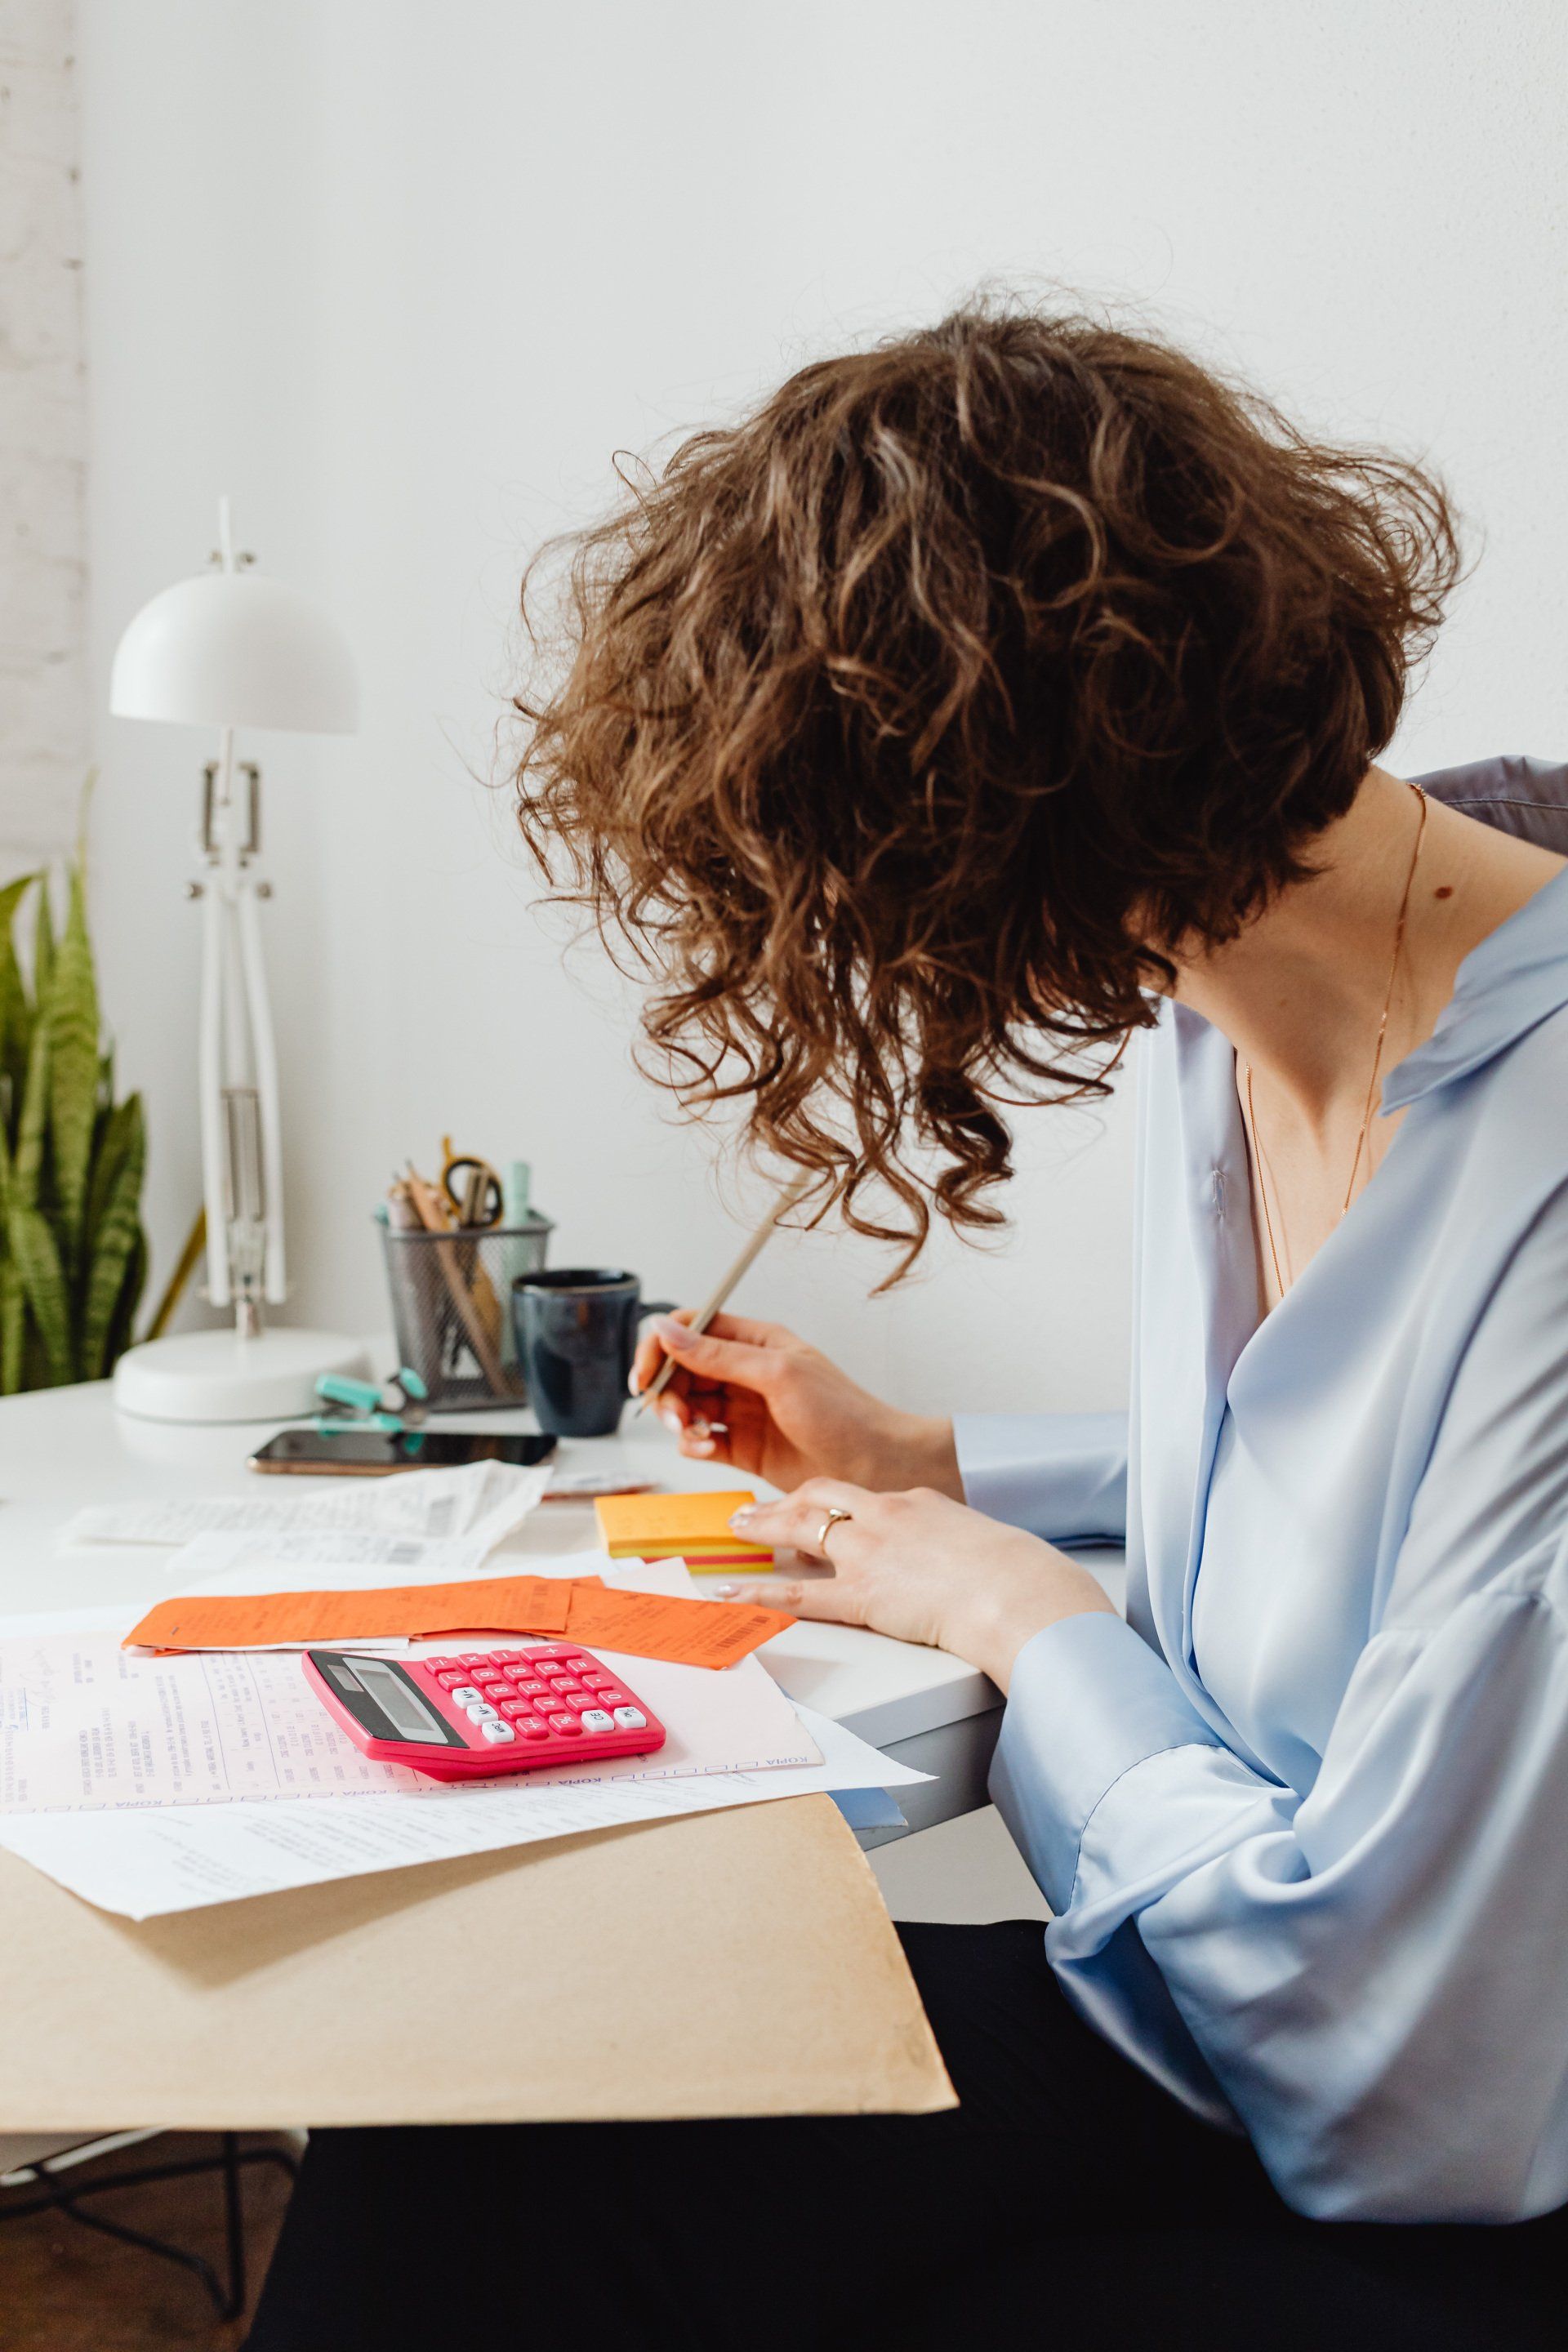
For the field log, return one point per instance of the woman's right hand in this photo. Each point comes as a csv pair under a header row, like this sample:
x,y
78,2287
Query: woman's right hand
x,y
753,1395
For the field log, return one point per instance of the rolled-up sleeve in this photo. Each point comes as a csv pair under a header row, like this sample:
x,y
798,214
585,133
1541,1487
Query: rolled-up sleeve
x,y
1062,1475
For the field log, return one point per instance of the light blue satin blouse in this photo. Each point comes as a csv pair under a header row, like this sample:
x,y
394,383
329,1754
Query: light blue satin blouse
x,y
1303,1819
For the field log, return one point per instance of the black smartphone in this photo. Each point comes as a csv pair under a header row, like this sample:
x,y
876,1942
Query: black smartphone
x,y
377,1453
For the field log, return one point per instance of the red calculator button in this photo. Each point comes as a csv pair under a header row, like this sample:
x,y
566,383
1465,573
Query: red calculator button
x,y
518,1673
473,1657
533,1688
592,1679
513,1708
567,1726
532,1731
493,1688
505,1657
439,1666
551,1706
610,1697
454,1680
578,1700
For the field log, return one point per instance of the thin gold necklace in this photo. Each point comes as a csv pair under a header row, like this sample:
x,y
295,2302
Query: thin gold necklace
x,y
1265,1175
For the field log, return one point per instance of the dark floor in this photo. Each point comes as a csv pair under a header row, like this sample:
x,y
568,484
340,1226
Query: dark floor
x,y
64,2288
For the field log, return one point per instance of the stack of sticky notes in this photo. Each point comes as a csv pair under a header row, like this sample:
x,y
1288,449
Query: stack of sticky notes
x,y
692,1527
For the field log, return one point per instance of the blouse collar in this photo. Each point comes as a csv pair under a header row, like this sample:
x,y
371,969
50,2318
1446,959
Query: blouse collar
x,y
1513,981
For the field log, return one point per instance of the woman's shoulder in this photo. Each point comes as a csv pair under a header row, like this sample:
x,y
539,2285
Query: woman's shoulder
x,y
1522,796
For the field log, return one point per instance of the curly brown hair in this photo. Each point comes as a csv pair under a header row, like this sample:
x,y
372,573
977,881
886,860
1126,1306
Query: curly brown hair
x,y
907,727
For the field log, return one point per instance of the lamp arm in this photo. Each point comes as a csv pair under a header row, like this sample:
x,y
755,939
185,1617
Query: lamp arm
x,y
264,1051
209,1077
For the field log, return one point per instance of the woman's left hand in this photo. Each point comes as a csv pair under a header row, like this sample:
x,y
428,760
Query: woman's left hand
x,y
922,1568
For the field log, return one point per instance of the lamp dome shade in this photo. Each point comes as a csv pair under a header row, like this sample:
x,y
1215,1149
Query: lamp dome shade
x,y
236,649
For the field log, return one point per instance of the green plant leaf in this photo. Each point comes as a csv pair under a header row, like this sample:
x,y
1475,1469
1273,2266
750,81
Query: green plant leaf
x,y
28,1157
36,1258
37,1372
13,1321
122,1330
16,1012
71,1012
118,1128
43,945
12,1301
116,1230
73,1256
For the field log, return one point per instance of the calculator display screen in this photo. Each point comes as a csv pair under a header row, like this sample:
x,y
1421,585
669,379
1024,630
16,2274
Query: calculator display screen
x,y
401,1705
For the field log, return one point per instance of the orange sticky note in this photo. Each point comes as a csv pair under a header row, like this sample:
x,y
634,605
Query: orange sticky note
x,y
693,1525
247,1621
658,1625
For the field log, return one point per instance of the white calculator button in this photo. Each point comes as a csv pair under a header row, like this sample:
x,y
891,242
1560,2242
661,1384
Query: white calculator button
x,y
497,1731
630,1718
479,1710
466,1695
595,1718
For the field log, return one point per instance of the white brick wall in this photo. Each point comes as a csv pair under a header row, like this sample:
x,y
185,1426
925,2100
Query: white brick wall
x,y
43,429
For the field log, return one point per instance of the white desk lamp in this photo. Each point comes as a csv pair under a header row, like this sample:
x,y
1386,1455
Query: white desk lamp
x,y
231,649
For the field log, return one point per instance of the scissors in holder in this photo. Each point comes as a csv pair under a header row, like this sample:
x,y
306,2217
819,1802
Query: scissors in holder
x,y
470,1188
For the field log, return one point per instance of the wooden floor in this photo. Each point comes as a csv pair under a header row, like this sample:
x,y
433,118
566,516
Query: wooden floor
x,y
64,2288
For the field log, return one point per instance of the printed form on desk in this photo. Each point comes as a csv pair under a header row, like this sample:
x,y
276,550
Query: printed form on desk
x,y
222,1811
439,1522
86,1725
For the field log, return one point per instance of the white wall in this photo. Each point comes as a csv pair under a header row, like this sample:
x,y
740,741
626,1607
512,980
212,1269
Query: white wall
x,y
43,435
401,276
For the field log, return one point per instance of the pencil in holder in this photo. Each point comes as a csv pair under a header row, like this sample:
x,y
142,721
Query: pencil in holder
x,y
449,1308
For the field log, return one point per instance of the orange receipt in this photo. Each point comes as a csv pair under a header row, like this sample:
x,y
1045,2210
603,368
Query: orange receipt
x,y
657,1625
644,1625
501,1604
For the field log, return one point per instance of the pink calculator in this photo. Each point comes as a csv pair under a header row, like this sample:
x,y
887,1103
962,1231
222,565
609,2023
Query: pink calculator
x,y
487,1711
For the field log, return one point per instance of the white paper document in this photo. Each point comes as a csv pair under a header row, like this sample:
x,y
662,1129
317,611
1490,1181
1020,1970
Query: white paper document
x,y
89,1726
142,1864
293,1557
476,1506
272,1563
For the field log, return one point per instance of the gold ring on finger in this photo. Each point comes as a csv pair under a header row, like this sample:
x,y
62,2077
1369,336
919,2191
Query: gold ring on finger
x,y
830,1521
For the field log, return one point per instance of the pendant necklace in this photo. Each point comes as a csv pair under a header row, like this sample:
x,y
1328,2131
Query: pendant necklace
x,y
1265,1174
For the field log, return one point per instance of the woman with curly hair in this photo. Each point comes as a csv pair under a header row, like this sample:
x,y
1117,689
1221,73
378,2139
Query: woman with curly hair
x,y
982,699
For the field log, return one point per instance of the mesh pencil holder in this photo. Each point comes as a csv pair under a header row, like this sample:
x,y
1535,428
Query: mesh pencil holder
x,y
451,1309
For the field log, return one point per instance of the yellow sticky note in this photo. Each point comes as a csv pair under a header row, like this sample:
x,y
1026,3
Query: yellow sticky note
x,y
693,1527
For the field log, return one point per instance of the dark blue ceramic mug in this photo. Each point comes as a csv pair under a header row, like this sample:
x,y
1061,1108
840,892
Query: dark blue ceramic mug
x,y
576,1330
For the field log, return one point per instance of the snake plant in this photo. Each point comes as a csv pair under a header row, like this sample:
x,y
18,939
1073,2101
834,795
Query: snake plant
x,y
72,1252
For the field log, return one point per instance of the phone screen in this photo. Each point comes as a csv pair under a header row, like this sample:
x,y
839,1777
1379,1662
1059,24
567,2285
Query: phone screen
x,y
370,1452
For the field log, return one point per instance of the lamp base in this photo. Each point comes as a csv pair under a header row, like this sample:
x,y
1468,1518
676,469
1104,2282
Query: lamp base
x,y
217,1376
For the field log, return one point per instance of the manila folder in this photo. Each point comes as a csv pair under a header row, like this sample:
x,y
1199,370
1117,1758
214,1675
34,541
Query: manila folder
x,y
723,1964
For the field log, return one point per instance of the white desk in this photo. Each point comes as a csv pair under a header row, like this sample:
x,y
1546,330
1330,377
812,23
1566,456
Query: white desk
x,y
61,1448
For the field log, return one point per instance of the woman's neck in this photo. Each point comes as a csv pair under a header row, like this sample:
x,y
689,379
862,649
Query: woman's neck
x,y
1302,991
